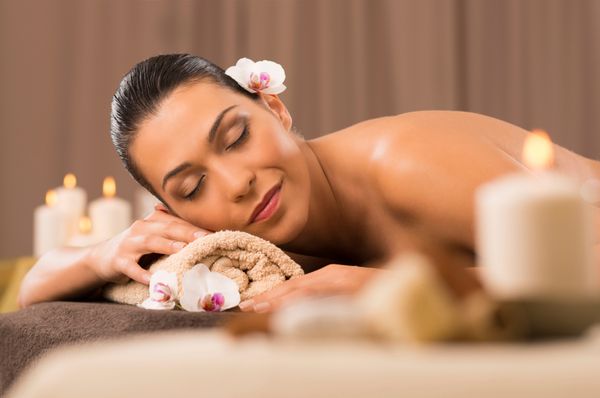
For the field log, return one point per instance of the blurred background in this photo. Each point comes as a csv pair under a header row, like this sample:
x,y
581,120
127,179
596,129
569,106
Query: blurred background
x,y
531,62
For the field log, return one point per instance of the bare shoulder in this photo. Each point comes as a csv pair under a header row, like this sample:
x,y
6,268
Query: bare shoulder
x,y
454,144
430,163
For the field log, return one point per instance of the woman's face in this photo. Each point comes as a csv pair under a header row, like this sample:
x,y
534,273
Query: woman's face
x,y
218,184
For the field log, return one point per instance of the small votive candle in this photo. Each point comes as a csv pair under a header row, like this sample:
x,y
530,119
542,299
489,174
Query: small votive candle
x,y
72,200
50,226
85,236
110,215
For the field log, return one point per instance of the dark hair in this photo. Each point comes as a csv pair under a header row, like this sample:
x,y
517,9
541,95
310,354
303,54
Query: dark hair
x,y
144,87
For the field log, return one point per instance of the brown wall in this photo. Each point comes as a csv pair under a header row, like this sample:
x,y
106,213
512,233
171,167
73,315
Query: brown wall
x,y
531,62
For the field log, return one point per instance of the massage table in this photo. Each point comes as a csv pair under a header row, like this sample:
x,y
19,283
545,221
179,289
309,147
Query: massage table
x,y
212,363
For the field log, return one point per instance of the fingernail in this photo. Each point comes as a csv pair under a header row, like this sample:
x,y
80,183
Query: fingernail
x,y
262,307
199,234
244,305
179,245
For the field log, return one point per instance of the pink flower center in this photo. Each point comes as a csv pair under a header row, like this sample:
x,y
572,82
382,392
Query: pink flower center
x,y
259,82
161,292
212,302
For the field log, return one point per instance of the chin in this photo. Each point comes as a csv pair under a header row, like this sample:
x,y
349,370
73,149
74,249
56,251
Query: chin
x,y
288,227
289,230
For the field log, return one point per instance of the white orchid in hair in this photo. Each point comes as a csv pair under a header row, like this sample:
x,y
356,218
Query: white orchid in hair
x,y
263,76
204,290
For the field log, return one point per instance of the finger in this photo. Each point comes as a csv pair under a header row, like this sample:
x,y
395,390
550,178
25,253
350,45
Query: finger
x,y
181,232
275,303
296,295
171,229
167,217
134,271
156,244
159,216
260,303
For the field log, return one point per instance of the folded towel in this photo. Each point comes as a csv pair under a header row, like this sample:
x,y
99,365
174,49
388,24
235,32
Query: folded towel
x,y
255,264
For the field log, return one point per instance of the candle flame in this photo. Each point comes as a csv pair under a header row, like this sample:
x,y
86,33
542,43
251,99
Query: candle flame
x,y
70,181
538,151
109,187
51,197
85,225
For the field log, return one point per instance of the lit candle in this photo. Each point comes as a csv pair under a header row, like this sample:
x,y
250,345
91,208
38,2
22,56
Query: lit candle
x,y
85,236
72,200
50,227
110,214
534,232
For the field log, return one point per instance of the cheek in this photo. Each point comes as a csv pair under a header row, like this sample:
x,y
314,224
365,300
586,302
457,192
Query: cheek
x,y
284,154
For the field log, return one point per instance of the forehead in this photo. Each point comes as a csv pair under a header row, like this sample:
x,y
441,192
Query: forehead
x,y
164,138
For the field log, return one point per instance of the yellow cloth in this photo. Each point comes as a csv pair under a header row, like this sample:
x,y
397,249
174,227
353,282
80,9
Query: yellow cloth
x,y
12,272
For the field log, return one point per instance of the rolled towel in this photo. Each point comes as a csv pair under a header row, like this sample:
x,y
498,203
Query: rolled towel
x,y
256,265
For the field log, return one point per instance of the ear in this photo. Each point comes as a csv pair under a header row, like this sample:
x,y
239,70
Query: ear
x,y
278,108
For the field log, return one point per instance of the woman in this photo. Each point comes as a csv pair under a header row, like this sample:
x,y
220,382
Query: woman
x,y
213,152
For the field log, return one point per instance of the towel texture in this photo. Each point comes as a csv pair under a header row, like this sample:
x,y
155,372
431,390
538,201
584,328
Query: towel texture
x,y
255,264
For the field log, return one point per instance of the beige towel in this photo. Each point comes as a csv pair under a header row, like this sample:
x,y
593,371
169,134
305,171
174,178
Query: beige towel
x,y
255,264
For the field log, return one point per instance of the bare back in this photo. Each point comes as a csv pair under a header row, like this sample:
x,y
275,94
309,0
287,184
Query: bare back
x,y
413,176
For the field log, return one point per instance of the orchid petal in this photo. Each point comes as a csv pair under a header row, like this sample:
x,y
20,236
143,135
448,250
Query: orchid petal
x,y
150,304
273,69
262,76
219,283
166,279
208,291
245,64
194,287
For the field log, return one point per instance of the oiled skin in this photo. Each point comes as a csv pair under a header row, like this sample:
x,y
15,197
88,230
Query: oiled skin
x,y
419,173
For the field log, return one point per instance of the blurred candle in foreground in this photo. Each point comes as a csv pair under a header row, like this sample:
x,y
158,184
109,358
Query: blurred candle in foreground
x,y
535,232
72,200
50,227
109,214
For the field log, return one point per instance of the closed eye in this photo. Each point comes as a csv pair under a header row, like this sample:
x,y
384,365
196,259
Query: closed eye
x,y
243,137
191,195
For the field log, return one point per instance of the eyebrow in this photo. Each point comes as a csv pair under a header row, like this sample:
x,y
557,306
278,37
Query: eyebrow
x,y
211,137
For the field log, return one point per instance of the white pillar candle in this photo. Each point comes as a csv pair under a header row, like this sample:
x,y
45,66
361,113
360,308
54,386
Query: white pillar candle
x,y
144,203
109,214
50,226
535,236
85,235
72,200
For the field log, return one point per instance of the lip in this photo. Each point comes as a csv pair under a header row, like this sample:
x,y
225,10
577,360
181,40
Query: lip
x,y
264,202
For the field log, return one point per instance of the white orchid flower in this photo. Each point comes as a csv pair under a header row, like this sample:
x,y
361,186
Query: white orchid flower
x,y
163,291
263,76
204,290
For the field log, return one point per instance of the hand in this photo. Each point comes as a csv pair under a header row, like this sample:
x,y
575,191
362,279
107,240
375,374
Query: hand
x,y
116,259
329,280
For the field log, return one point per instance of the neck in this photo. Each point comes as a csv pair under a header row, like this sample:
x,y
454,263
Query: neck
x,y
334,229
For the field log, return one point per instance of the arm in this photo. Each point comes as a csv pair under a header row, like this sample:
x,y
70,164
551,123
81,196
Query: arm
x,y
73,272
60,273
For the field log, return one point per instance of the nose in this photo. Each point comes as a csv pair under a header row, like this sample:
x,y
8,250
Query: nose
x,y
237,181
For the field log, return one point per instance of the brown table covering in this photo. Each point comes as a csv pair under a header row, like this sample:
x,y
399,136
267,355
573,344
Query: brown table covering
x,y
30,332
